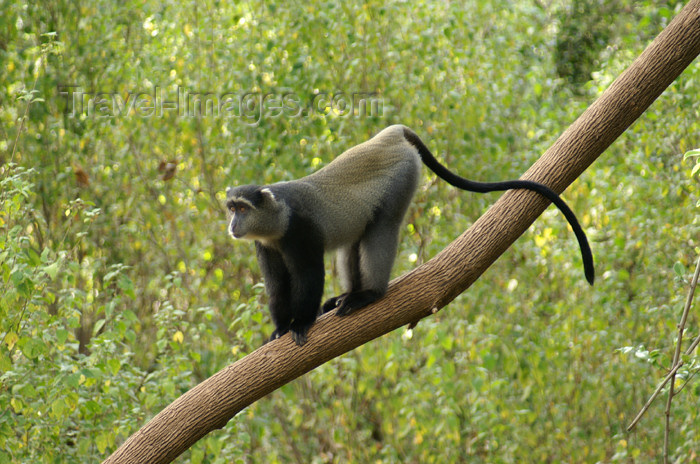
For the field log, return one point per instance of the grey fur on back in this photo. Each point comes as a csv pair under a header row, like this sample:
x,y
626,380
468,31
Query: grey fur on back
x,y
348,194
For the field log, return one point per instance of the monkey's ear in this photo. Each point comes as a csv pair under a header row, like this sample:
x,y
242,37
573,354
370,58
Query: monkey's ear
x,y
268,195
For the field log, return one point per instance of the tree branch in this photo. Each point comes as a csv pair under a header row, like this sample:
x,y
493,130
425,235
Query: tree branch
x,y
211,404
677,358
677,362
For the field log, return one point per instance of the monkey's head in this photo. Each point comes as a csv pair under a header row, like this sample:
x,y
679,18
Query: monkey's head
x,y
255,213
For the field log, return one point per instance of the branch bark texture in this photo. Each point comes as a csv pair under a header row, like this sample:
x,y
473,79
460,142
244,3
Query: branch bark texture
x,y
418,294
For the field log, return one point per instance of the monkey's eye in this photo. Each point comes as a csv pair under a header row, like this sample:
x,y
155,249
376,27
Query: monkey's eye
x,y
242,209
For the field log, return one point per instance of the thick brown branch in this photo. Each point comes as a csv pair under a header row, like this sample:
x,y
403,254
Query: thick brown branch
x,y
215,401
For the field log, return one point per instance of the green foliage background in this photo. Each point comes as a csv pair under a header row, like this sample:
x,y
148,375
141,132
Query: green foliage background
x,y
122,290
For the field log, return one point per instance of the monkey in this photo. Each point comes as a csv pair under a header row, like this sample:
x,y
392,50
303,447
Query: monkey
x,y
355,205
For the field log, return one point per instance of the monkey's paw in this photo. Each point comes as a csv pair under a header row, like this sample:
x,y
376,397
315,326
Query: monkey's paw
x,y
332,303
299,331
276,334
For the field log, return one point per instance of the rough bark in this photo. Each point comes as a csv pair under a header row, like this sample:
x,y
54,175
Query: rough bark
x,y
413,296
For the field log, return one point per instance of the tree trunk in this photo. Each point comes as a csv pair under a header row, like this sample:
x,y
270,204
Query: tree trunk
x,y
418,294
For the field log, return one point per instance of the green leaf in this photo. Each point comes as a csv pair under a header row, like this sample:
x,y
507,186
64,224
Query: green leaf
x,y
58,408
691,153
92,407
61,336
52,270
23,283
5,362
695,170
125,284
11,338
32,347
72,380
102,442
33,258
679,269
114,365
98,326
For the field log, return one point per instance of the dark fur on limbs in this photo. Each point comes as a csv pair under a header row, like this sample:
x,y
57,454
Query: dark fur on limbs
x,y
294,277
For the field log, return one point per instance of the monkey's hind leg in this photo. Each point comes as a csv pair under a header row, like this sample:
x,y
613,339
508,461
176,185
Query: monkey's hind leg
x,y
348,263
368,266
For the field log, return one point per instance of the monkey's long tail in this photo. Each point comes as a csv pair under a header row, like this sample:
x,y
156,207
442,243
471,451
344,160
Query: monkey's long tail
x,y
483,187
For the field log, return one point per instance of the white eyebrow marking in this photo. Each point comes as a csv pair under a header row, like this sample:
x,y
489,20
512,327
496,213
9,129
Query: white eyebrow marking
x,y
242,200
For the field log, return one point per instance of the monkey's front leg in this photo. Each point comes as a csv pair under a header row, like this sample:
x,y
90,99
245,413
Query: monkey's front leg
x,y
278,288
305,266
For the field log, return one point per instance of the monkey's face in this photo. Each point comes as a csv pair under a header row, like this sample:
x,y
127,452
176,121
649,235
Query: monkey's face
x,y
254,214
239,213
